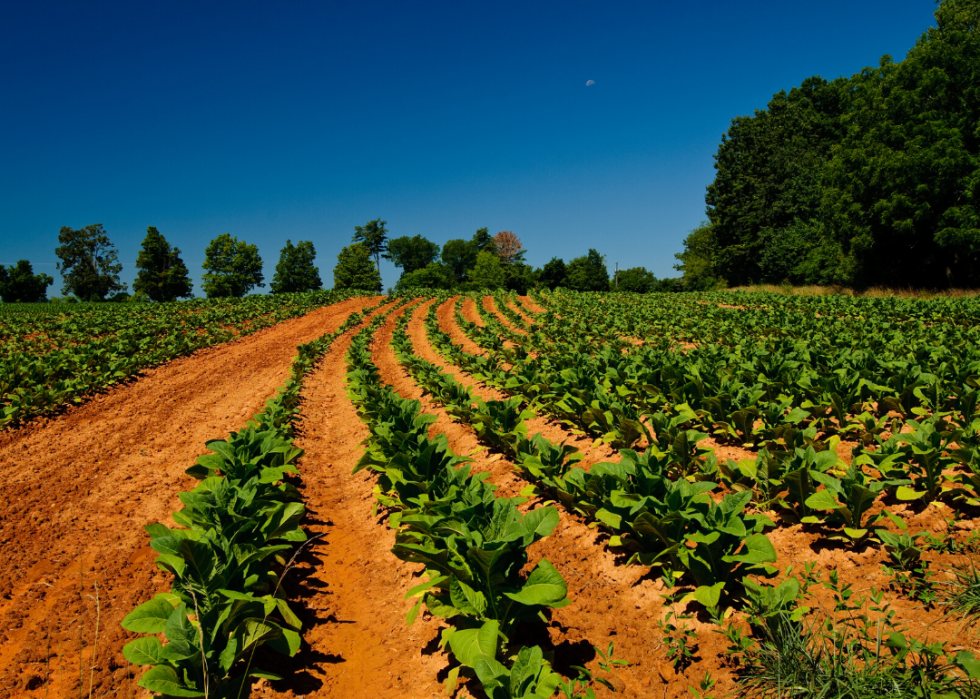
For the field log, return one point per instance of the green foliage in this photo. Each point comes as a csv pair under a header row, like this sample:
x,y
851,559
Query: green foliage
x,y
161,275
520,277
553,274
636,279
412,254
488,272
89,263
295,272
19,284
355,271
232,268
433,276
374,236
867,180
697,262
588,273
460,255
57,353
235,530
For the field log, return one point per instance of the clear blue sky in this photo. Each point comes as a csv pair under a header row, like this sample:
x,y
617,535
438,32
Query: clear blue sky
x,y
303,119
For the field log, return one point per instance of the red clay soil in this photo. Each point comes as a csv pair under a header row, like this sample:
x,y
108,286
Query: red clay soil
x,y
79,487
490,306
470,313
447,323
517,308
613,602
610,602
532,308
548,427
351,586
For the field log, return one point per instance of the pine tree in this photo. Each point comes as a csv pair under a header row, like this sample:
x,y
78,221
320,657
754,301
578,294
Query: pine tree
x,y
162,275
295,271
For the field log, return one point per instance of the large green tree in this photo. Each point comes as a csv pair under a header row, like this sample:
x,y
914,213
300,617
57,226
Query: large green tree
x,y
488,272
374,236
354,270
697,261
413,253
636,279
554,273
19,284
588,273
770,168
89,263
460,255
295,271
231,267
161,274
904,187
433,276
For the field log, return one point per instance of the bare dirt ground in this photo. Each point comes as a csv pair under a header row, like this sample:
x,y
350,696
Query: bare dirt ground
x,y
623,604
79,487
351,587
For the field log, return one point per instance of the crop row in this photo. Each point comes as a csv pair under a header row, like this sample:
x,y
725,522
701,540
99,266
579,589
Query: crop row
x,y
625,399
47,362
669,517
236,532
473,544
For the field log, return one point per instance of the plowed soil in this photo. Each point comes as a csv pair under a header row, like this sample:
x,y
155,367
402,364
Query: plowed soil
x,y
623,604
350,586
78,489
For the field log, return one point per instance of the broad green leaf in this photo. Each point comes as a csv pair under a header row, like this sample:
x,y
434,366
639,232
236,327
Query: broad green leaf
x,y
163,679
149,617
822,500
144,651
544,585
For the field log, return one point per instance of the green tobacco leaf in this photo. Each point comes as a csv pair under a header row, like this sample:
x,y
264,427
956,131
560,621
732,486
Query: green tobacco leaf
x,y
969,664
144,651
149,617
477,648
544,585
182,636
822,500
541,521
163,679
758,549
903,492
610,519
708,595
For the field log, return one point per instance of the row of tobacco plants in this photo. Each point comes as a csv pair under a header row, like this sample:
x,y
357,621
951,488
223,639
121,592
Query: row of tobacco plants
x,y
673,506
55,354
236,536
472,543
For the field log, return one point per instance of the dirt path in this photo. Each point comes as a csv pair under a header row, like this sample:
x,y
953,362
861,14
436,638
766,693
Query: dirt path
x,y
547,427
490,306
517,308
532,308
610,602
79,487
352,586
447,324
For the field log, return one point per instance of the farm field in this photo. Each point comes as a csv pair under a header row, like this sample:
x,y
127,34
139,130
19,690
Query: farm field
x,y
727,491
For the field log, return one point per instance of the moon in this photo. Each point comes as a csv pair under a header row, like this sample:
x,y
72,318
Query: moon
x,y
589,83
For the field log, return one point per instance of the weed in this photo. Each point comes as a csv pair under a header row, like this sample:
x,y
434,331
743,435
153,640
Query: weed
x,y
963,599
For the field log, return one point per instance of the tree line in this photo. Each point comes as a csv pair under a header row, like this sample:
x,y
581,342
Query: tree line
x,y
867,180
90,268
480,262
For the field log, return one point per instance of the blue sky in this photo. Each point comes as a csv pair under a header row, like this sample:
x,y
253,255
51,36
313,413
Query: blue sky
x,y
301,120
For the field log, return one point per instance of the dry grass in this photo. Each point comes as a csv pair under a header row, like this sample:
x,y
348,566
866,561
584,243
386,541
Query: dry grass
x,y
873,292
